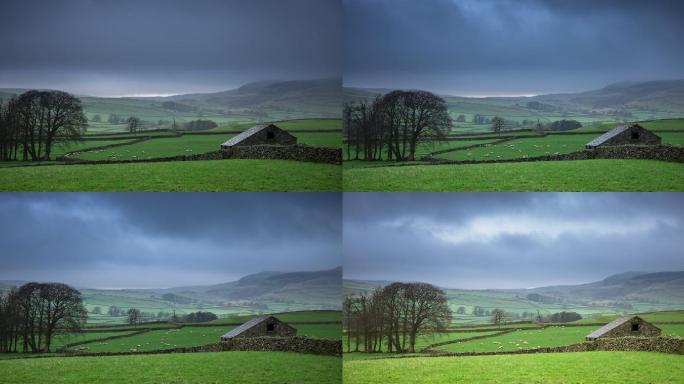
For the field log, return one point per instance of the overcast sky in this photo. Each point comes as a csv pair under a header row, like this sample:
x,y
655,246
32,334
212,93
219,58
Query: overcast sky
x,y
510,240
141,47
146,240
511,47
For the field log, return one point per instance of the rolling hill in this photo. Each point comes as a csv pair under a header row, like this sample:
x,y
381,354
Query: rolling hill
x,y
257,101
625,292
626,101
261,292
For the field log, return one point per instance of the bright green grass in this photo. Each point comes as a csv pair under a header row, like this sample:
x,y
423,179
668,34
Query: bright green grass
x,y
161,339
192,144
675,138
423,149
495,327
672,329
60,149
524,339
195,336
422,341
126,327
551,368
520,148
212,367
210,175
70,338
566,176
664,124
312,124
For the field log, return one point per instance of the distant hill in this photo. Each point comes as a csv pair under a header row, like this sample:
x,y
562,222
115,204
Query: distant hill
x,y
636,291
260,292
614,103
257,101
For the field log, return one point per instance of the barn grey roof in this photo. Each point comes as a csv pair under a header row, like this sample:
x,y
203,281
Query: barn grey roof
x,y
610,134
609,327
245,134
245,326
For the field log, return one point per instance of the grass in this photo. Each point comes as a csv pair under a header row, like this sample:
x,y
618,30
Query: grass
x,y
672,329
311,316
552,368
653,317
217,367
192,144
424,340
566,176
161,339
210,175
523,339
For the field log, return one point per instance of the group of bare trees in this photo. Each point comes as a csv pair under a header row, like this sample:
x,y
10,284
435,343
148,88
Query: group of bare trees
x,y
30,124
392,316
31,316
391,126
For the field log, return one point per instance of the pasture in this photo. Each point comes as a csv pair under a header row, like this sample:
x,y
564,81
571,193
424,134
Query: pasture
x,y
423,340
543,176
200,176
585,367
553,336
212,367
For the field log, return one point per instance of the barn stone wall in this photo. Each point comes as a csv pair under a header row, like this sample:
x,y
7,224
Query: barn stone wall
x,y
645,329
643,137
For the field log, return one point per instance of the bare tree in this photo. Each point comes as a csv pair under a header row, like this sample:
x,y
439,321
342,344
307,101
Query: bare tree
x,y
133,124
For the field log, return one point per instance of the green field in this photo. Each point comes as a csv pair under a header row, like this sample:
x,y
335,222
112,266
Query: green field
x,y
552,368
565,176
523,339
653,317
424,340
190,145
212,367
210,175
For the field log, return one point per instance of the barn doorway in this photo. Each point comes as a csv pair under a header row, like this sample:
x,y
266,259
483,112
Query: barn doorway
x,y
270,135
635,327
270,327
635,135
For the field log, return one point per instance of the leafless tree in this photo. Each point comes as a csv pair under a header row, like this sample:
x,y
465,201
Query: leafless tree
x,y
498,124
134,316
498,316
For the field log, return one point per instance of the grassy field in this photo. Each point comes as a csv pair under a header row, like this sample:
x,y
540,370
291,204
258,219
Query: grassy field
x,y
654,317
552,368
566,176
191,144
217,367
192,336
211,175
423,341
296,316
523,339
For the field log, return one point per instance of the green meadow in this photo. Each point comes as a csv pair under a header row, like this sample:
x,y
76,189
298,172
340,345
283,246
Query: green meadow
x,y
544,176
554,336
211,367
551,368
200,176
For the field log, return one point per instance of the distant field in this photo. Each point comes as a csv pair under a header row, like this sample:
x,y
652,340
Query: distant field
x,y
665,124
210,175
214,367
524,339
567,176
63,148
551,368
654,317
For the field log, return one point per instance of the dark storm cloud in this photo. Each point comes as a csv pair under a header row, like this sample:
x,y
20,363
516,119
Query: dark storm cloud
x,y
508,240
193,45
511,47
161,240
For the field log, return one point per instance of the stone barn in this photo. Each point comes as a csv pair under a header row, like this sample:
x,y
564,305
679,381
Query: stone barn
x,y
267,134
261,326
626,134
625,326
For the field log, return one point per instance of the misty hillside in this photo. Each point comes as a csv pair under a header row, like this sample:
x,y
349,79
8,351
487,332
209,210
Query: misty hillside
x,y
263,100
631,291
